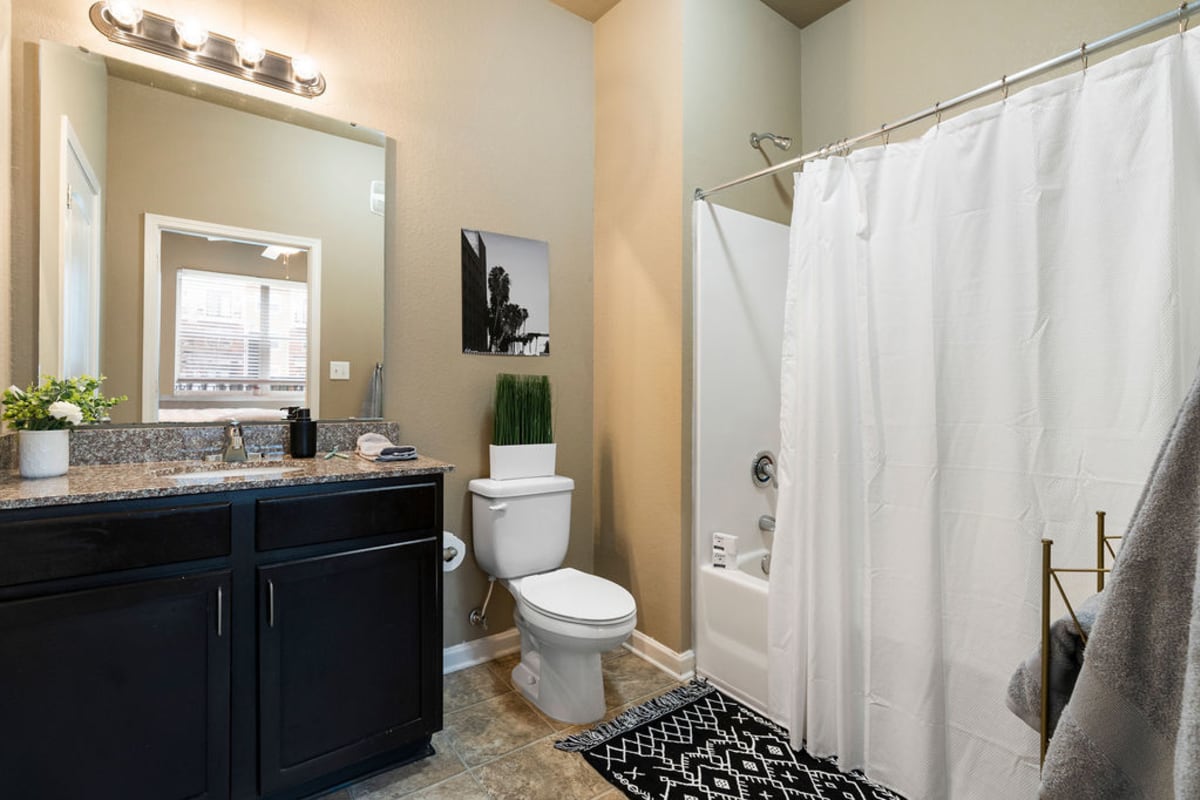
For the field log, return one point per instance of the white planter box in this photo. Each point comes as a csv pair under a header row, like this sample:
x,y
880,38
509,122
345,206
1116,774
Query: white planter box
x,y
44,454
512,461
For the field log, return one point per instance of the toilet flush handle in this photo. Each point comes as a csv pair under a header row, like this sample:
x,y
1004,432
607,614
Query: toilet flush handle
x,y
498,507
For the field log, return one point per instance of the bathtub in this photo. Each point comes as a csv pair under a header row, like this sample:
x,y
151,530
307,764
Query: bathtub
x,y
731,628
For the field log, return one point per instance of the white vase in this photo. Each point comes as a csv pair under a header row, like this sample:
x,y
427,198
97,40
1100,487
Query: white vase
x,y
513,461
44,454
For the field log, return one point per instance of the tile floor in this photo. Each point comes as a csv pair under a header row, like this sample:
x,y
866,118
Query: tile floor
x,y
497,746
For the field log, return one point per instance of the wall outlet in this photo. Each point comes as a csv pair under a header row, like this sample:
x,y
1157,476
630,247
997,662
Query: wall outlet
x,y
339,370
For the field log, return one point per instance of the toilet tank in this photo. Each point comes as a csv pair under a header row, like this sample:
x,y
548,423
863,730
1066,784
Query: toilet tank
x,y
521,527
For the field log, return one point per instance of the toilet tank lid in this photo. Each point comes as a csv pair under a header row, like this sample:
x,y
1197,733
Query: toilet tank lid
x,y
520,487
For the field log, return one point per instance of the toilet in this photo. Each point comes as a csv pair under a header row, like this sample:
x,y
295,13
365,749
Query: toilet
x,y
566,618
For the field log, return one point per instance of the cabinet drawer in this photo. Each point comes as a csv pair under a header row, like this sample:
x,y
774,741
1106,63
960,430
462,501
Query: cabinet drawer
x,y
89,544
291,521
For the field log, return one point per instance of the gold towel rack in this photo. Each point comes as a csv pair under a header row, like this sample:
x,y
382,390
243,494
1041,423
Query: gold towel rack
x,y
1051,573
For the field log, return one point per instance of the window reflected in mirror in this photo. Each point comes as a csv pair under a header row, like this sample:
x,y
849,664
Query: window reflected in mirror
x,y
234,328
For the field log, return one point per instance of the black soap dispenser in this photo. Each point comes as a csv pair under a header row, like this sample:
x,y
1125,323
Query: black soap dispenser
x,y
303,433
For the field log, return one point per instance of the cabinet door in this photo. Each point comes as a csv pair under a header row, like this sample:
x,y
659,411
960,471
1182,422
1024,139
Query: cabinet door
x,y
349,658
119,692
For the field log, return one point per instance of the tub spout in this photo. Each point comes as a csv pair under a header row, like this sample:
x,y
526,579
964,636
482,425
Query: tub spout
x,y
766,523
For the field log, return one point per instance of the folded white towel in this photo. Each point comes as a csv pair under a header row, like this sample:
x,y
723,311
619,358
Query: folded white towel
x,y
376,447
370,445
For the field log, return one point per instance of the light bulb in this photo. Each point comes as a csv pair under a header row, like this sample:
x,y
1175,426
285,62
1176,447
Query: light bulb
x,y
126,13
304,68
191,33
250,51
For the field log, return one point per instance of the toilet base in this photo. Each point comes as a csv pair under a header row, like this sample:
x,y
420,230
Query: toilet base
x,y
564,684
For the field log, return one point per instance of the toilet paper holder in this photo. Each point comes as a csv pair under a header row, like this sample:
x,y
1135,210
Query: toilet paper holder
x,y
449,553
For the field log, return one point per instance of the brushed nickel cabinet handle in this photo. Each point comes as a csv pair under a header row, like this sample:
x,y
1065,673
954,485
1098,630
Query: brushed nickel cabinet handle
x,y
271,604
220,614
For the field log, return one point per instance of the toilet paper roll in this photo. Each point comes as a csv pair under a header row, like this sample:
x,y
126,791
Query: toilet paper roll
x,y
454,550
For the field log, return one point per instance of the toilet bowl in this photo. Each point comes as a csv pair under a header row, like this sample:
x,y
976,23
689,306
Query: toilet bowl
x,y
566,618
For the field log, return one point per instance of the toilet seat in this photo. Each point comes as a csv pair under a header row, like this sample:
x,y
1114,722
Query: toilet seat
x,y
569,595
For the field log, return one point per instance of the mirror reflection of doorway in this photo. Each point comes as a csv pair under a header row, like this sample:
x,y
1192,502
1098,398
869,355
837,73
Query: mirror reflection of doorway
x,y
80,268
236,322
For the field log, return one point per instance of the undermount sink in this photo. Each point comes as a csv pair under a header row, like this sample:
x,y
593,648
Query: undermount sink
x,y
203,475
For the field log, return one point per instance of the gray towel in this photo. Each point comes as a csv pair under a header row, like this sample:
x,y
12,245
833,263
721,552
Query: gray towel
x,y
1130,728
1066,659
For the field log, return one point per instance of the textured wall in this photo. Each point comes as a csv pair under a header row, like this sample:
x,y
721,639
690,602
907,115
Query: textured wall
x,y
638,307
490,108
741,74
6,295
679,87
873,61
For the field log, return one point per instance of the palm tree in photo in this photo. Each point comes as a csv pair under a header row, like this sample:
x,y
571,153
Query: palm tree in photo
x,y
505,319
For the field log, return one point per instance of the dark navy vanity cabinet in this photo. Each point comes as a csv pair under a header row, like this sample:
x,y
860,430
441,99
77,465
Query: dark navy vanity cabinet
x,y
268,643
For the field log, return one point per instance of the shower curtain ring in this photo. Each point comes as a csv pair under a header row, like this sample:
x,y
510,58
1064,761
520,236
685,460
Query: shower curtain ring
x,y
1004,86
1083,55
937,109
885,133
1183,19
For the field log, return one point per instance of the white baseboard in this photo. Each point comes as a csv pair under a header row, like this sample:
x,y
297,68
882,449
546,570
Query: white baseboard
x,y
681,666
479,651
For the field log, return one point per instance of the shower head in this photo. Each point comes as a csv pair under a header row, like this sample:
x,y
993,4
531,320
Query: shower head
x,y
782,142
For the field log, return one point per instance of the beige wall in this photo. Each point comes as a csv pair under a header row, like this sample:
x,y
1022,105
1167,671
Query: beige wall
x,y
741,74
742,69
872,61
638,307
183,157
6,296
490,106
680,85
79,94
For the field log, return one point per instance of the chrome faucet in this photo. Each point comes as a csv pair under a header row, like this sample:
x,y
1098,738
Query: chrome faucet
x,y
235,445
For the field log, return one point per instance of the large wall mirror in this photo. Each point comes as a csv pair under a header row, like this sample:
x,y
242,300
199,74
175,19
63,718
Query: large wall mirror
x,y
213,254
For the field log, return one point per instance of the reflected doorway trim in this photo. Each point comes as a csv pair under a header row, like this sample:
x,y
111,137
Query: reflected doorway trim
x,y
71,148
155,226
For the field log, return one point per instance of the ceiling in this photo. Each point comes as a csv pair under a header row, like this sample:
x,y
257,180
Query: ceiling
x,y
798,12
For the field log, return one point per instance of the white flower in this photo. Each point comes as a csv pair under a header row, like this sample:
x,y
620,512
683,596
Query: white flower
x,y
16,391
61,409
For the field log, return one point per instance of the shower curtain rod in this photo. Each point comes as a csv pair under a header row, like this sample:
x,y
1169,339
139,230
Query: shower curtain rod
x,y
1179,15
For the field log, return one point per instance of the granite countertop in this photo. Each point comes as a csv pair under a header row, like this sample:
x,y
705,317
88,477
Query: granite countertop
x,y
102,482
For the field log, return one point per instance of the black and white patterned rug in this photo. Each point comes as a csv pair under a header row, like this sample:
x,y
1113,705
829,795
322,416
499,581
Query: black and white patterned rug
x,y
695,743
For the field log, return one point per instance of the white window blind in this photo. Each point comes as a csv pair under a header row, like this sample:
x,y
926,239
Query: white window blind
x,y
237,335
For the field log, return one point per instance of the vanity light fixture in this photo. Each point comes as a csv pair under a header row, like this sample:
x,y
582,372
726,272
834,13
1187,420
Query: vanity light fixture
x,y
191,33
126,13
304,68
250,51
124,22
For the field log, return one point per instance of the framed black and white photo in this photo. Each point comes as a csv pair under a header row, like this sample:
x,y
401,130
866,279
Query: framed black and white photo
x,y
505,294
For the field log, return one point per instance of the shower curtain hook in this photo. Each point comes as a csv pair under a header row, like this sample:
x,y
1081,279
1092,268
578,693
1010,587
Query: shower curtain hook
x,y
885,133
1004,86
937,108
1183,20
1083,55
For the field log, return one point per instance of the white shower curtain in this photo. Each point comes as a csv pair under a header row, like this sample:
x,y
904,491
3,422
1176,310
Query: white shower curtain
x,y
988,331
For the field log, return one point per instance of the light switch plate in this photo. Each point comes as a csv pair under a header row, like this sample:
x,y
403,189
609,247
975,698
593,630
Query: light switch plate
x,y
339,370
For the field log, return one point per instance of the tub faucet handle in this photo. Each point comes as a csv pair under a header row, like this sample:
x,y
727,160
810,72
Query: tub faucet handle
x,y
766,523
762,470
